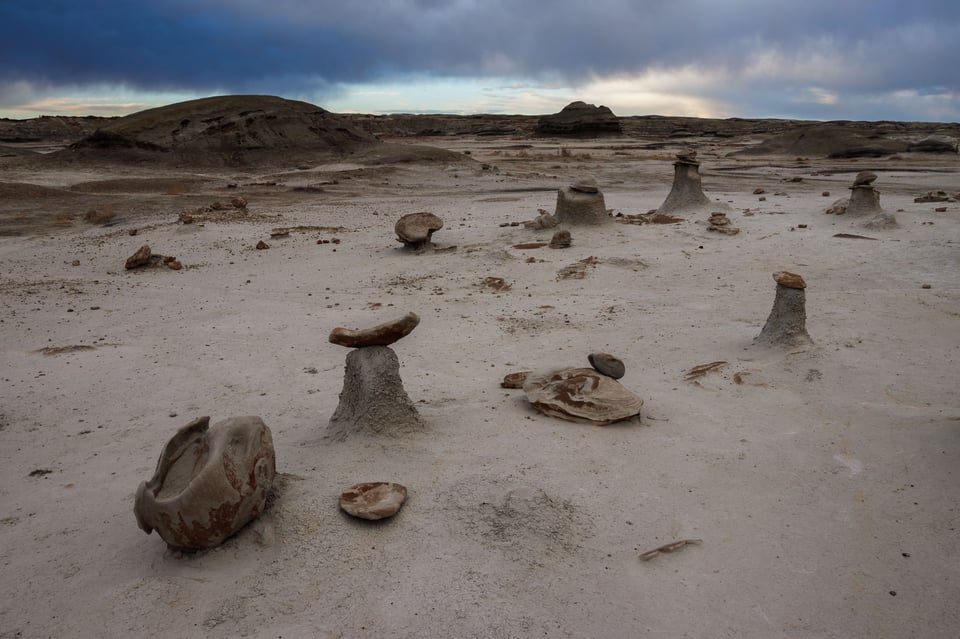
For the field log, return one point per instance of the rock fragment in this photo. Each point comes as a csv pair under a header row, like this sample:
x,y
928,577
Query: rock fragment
x,y
515,380
607,364
139,259
373,500
561,239
687,190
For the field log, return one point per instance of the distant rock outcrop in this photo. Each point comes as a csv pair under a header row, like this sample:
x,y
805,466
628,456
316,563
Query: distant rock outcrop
x,y
833,141
580,118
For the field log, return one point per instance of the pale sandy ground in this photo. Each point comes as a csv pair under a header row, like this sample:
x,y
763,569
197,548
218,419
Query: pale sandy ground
x,y
824,487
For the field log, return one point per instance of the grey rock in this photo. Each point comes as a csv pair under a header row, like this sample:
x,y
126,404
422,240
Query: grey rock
x,y
607,364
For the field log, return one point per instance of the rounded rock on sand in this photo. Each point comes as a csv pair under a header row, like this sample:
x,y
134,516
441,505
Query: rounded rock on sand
x,y
373,500
607,364
380,335
790,280
586,184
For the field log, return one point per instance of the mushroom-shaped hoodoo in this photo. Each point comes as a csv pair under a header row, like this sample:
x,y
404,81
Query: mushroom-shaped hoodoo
x,y
687,190
373,400
415,230
582,395
786,326
209,482
865,200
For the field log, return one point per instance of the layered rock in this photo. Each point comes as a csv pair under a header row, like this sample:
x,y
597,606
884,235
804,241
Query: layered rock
x,y
581,204
582,395
687,194
415,230
373,500
580,119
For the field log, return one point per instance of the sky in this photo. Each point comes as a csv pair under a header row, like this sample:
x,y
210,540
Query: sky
x,y
810,59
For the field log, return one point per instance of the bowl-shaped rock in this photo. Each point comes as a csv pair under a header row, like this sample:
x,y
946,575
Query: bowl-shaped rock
x,y
582,395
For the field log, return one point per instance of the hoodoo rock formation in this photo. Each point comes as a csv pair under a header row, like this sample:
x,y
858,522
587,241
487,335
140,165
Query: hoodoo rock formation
x,y
373,400
865,200
415,230
581,203
687,191
209,482
786,326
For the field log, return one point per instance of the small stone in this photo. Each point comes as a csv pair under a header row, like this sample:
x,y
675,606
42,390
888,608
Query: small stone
x,y
759,191
140,258
561,239
864,178
261,245
380,335
239,203
586,185
132,232
940,209
174,265
926,286
514,380
607,364
761,199
790,280
825,194
373,500
75,263
185,218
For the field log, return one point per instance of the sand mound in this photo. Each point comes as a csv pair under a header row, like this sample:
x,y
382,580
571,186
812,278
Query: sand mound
x,y
224,130
832,141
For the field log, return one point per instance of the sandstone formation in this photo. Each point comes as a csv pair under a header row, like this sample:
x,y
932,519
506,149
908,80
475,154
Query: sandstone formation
x,y
786,326
865,200
580,119
209,482
140,258
380,335
543,221
576,206
582,395
515,380
720,223
607,364
687,191
414,230
373,400
373,500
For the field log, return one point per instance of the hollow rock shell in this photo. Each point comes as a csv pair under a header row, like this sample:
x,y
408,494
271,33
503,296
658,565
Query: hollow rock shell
x,y
582,395
209,482
373,500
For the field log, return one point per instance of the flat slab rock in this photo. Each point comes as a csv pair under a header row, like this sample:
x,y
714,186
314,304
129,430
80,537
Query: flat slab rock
x,y
380,335
373,500
582,395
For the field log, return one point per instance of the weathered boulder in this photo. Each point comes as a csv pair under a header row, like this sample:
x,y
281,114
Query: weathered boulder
x,y
373,500
786,326
582,395
373,400
580,119
380,335
415,230
209,482
140,258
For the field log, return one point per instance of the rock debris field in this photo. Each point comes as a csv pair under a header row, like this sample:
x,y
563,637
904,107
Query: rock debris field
x,y
793,471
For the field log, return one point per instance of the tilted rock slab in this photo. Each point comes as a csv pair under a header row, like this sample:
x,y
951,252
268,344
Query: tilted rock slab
x,y
380,335
209,482
582,395
373,400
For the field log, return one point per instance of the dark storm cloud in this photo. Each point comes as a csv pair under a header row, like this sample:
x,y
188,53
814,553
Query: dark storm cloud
x,y
300,46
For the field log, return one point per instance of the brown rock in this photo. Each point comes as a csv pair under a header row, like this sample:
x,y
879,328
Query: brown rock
x,y
261,245
140,258
825,194
174,265
373,500
759,191
415,230
607,364
239,203
561,239
220,206
515,380
185,218
380,335
582,395
209,482
790,280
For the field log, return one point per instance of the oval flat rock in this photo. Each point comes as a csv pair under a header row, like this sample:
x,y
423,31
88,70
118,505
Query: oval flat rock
x,y
373,500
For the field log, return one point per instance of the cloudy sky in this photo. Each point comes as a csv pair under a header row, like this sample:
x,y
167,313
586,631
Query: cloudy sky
x,y
812,59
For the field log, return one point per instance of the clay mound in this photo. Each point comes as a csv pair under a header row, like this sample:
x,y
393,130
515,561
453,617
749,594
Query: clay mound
x,y
224,130
580,118
827,141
